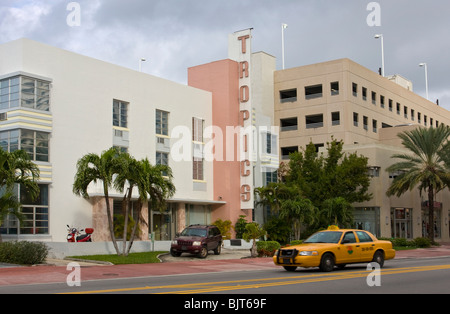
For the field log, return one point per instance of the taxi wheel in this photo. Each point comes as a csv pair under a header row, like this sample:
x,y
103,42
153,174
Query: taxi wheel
x,y
290,268
378,257
327,262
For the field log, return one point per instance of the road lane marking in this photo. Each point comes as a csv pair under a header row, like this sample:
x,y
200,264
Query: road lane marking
x,y
204,287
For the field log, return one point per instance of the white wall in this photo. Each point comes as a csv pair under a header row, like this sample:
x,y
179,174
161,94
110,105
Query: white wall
x,y
82,94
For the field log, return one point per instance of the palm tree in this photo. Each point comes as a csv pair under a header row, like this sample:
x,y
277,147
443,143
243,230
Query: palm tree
x,y
16,168
297,211
423,166
152,183
92,168
155,188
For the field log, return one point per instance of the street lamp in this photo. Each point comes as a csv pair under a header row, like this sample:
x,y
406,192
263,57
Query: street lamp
x,y
426,77
140,63
283,27
382,52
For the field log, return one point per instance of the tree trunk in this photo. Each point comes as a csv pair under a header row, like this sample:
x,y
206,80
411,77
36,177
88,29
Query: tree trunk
x,y
133,233
431,213
127,204
110,221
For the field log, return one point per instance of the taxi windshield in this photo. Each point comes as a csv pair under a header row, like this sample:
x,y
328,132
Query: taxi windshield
x,y
194,232
324,237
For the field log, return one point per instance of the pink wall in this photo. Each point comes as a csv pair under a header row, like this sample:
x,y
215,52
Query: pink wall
x,y
222,79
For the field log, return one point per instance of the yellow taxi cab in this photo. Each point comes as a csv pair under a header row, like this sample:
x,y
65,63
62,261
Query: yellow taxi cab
x,y
335,247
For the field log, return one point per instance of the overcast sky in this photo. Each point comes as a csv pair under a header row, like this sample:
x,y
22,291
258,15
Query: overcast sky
x,y
176,34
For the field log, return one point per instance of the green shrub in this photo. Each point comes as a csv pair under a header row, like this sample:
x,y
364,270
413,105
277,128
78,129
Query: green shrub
x,y
239,227
422,242
402,242
295,242
267,248
23,252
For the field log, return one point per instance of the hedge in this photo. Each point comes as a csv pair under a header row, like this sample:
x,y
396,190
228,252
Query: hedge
x,y
23,252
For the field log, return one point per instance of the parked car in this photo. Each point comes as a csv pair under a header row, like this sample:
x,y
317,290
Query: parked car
x,y
197,239
335,247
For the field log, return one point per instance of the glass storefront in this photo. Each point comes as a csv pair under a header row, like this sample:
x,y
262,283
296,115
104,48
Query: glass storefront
x,y
437,221
163,223
401,223
368,218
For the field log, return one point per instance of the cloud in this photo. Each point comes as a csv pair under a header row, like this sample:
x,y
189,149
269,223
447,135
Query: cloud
x,y
176,34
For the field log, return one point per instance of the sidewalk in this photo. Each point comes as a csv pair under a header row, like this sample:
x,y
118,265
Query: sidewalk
x,y
229,260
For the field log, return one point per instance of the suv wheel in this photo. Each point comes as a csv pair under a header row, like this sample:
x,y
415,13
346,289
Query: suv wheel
x,y
203,252
175,253
218,249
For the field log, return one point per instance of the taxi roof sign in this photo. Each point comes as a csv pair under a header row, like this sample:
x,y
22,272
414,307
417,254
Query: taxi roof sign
x,y
333,227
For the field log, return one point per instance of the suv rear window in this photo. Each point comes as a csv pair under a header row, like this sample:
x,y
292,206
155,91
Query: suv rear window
x,y
194,232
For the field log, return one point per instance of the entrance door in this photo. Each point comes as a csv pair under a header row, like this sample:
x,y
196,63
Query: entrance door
x,y
162,225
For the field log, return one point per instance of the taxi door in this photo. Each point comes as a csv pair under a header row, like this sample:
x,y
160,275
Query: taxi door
x,y
348,250
367,246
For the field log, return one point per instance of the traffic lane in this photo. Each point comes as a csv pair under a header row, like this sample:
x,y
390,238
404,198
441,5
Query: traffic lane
x,y
353,279
394,278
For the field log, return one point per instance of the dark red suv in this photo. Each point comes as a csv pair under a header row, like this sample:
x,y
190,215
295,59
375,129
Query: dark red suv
x,y
197,239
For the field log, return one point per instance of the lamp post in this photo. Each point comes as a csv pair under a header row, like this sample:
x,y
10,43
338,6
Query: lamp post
x,y
283,27
382,52
140,63
426,77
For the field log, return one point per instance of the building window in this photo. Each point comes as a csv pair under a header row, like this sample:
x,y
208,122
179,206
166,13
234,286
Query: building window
x,y
419,117
270,177
121,149
398,108
286,151
198,169
374,126
35,211
405,112
365,123
162,159
162,122
197,136
355,119
390,105
26,92
364,93
314,121
412,115
334,88
35,143
120,114
335,118
315,91
289,124
271,144
374,98
355,89
288,95
197,130
382,101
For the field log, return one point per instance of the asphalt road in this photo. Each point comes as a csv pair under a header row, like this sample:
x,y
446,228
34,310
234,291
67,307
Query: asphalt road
x,y
403,276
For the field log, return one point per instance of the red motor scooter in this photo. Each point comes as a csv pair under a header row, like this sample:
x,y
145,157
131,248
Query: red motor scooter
x,y
73,235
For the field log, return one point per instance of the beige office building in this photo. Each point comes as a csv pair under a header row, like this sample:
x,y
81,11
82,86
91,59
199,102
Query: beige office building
x,y
344,100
